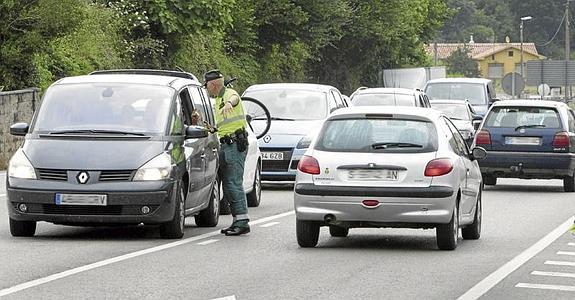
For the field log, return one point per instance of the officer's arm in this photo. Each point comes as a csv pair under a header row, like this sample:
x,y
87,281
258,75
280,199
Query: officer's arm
x,y
234,100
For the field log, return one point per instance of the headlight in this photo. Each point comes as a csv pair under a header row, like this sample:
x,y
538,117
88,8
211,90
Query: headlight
x,y
304,142
20,167
159,168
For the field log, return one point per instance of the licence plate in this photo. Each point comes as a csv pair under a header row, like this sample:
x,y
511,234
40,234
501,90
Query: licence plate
x,y
81,199
520,140
380,175
272,155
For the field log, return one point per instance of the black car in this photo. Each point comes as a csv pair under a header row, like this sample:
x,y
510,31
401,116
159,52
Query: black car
x,y
116,147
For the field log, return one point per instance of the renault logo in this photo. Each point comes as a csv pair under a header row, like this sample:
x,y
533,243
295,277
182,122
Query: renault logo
x,y
267,138
83,177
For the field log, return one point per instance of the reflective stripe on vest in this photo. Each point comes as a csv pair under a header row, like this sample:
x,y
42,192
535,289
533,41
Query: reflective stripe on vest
x,y
235,120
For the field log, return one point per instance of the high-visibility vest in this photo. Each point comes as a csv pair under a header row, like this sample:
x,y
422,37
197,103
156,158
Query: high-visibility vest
x,y
235,120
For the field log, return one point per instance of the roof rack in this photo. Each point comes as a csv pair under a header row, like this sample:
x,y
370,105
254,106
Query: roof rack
x,y
179,74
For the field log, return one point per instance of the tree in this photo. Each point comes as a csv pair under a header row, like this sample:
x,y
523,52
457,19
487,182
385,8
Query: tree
x,y
460,62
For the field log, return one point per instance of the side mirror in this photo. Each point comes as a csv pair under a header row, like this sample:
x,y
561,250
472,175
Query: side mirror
x,y
478,153
19,129
196,132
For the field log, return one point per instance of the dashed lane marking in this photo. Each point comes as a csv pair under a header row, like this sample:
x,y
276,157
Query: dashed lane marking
x,y
553,274
208,242
571,244
568,288
269,224
566,253
494,278
40,281
560,263
232,297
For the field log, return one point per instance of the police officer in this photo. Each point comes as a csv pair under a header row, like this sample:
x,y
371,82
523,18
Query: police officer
x,y
231,123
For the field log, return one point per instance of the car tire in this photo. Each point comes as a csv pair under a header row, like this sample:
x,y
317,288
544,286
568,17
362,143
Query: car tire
x,y
174,229
473,230
569,184
22,228
338,231
254,197
447,234
489,179
210,216
307,233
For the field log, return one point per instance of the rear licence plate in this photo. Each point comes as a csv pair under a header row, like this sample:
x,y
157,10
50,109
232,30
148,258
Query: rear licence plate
x,y
272,155
376,175
81,199
520,140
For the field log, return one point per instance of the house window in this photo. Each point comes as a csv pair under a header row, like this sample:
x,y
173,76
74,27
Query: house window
x,y
495,71
510,53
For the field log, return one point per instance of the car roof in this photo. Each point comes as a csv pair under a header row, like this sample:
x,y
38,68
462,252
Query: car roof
x,y
385,91
460,80
291,86
421,112
540,103
158,80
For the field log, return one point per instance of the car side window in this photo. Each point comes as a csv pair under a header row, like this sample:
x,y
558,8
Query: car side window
x,y
426,99
185,106
421,101
208,105
199,107
177,123
571,121
458,142
339,99
332,102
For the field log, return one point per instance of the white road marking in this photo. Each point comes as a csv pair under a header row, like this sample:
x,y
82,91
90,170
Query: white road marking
x,y
208,242
566,253
553,274
269,224
560,263
569,288
37,282
494,278
571,244
232,297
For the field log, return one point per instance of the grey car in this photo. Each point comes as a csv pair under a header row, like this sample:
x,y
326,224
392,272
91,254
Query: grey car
x,y
462,114
478,91
389,97
389,167
116,147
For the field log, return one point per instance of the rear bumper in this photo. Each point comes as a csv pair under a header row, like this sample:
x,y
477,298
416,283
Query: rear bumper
x,y
528,164
421,207
124,202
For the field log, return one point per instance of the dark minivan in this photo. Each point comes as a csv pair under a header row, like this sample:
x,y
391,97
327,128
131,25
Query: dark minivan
x,y
528,139
115,148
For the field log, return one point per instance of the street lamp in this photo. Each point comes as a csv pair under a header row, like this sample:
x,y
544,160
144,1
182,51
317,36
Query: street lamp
x,y
523,19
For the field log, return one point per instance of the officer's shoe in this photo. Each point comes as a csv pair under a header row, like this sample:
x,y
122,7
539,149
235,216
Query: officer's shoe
x,y
237,230
227,229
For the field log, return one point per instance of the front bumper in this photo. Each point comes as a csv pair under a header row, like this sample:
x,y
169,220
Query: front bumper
x,y
124,202
420,207
541,165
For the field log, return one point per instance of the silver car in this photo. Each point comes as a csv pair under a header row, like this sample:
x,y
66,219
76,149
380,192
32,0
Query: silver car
x,y
404,167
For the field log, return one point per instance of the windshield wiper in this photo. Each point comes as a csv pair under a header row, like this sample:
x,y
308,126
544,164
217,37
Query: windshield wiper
x,y
97,131
395,145
529,126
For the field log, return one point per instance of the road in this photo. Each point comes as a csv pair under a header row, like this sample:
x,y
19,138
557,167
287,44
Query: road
x,y
97,263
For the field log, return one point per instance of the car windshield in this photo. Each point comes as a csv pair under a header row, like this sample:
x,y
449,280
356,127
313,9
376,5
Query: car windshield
x,y
103,106
383,100
452,110
377,135
291,104
473,92
516,117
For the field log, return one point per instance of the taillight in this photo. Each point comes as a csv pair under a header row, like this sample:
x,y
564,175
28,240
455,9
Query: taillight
x,y
561,140
438,167
483,137
308,165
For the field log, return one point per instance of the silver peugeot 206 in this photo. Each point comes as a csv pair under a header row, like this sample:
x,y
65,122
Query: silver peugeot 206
x,y
401,167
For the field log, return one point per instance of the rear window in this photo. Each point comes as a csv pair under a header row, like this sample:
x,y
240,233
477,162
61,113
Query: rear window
x,y
472,92
537,117
383,100
377,135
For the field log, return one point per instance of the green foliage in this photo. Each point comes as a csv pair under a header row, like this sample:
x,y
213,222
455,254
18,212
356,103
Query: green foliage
x,y
460,62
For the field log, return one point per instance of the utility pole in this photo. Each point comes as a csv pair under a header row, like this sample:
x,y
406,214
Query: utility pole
x,y
567,52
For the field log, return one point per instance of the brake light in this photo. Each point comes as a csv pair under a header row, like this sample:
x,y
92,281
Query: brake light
x,y
483,137
561,140
438,167
308,165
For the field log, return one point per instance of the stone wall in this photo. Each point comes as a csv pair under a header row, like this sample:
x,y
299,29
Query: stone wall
x,y
15,106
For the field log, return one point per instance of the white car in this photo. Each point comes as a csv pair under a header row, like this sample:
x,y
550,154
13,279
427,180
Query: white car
x,y
389,167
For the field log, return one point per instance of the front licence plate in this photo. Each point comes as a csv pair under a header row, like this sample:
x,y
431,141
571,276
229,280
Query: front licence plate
x,y
81,199
520,140
272,155
379,175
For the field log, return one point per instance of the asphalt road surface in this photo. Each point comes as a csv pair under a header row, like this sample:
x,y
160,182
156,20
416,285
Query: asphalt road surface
x,y
525,251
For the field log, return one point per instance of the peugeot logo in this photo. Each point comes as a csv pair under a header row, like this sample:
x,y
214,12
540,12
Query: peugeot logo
x,y
522,130
267,138
83,177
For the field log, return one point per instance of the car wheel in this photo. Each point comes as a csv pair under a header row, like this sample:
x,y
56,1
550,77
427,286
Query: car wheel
x,y
307,233
174,229
489,179
473,230
224,204
447,234
255,195
569,184
338,231
22,228
210,215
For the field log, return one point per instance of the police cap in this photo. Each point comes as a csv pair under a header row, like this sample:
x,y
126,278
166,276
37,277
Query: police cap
x,y
211,75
